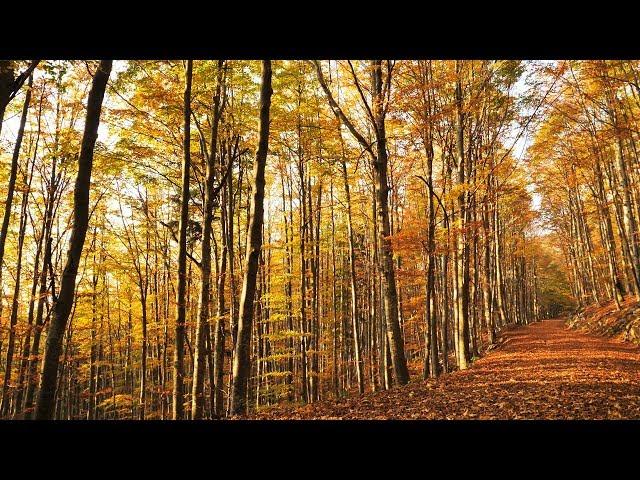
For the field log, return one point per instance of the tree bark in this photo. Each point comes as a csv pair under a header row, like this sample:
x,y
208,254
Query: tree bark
x,y
197,399
242,360
13,172
379,159
462,280
65,300
181,302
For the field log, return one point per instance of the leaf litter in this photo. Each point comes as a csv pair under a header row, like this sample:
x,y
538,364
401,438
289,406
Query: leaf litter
x,y
538,371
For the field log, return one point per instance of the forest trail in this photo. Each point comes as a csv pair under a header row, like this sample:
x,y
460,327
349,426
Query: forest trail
x,y
539,371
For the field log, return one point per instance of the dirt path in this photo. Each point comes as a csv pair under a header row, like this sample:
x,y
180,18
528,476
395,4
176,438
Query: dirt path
x,y
541,371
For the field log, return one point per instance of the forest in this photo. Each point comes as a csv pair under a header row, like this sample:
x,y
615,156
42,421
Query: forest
x,y
224,239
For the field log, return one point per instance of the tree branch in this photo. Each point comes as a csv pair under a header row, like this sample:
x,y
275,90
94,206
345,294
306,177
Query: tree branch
x,y
19,81
338,111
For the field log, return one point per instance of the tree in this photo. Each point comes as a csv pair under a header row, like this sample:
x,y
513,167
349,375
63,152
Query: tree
x,y
10,84
64,301
241,360
13,173
178,356
379,159
211,193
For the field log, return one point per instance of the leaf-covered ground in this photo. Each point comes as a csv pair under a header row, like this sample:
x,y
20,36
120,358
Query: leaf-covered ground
x,y
607,321
540,371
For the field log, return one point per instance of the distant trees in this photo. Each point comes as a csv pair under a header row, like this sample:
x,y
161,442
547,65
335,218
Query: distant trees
x,y
586,166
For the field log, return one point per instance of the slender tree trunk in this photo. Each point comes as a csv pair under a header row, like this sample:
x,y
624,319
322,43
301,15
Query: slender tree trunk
x,y
487,292
462,304
242,360
181,300
219,337
13,172
380,161
65,300
4,402
499,285
353,278
394,333
197,399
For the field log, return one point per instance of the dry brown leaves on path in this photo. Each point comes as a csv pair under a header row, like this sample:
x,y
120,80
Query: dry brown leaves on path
x,y
540,371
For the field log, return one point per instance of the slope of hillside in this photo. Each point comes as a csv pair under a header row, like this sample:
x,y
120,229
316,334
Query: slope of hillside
x,y
607,321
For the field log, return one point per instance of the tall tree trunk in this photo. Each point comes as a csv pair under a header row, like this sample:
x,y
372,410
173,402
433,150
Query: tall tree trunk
x,y
26,344
178,355
487,291
353,278
499,284
394,333
379,159
13,172
92,339
242,360
65,300
462,304
4,401
197,399
226,223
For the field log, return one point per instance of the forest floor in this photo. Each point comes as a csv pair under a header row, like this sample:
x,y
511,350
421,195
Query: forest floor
x,y
607,321
539,371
